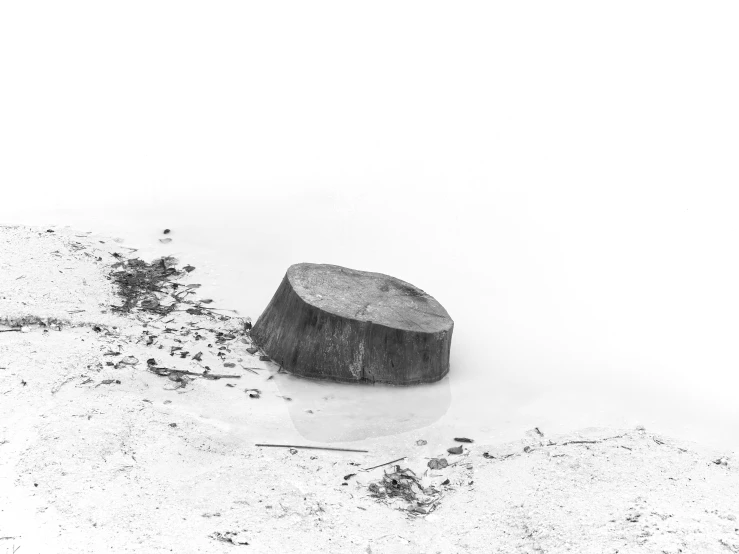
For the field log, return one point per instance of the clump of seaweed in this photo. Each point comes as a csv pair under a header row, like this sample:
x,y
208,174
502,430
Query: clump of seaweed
x,y
139,282
403,483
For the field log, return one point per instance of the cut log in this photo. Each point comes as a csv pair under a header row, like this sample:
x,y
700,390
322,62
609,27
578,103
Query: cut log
x,y
339,324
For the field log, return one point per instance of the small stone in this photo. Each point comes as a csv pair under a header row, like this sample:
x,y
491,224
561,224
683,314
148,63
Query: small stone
x,y
438,463
25,329
454,450
421,442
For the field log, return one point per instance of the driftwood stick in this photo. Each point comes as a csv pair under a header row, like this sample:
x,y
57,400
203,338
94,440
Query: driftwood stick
x,y
385,464
312,447
163,372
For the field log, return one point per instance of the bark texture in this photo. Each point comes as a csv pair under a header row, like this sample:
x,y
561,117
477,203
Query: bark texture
x,y
331,322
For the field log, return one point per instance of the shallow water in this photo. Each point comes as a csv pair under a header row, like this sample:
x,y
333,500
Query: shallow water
x,y
561,179
541,338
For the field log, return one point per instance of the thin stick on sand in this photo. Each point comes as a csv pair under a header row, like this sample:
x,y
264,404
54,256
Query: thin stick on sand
x,y
385,464
312,447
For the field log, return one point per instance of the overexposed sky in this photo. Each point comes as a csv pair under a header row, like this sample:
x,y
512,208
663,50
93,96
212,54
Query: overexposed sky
x,y
572,102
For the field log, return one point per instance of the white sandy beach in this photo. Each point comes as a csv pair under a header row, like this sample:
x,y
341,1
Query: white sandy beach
x,y
99,454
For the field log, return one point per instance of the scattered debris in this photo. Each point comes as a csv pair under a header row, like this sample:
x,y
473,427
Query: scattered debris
x,y
293,451
265,359
237,538
403,483
173,425
421,442
138,281
214,514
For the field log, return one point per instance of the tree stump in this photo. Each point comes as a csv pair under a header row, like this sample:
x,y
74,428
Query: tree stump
x,y
339,324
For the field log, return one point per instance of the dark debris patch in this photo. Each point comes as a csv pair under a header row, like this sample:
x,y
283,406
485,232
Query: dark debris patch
x,y
139,282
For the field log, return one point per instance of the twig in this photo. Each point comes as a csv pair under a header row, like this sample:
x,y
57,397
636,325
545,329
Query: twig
x,y
578,442
250,369
312,447
164,372
10,330
385,464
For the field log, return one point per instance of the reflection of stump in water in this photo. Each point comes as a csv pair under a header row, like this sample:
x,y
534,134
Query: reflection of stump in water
x,y
330,322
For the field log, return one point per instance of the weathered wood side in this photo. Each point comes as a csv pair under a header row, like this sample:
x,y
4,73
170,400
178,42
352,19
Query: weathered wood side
x,y
310,342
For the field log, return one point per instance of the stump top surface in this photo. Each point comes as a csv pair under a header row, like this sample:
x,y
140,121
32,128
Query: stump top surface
x,y
366,296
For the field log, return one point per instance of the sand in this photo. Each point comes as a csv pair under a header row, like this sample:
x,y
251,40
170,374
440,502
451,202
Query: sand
x,y
100,454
